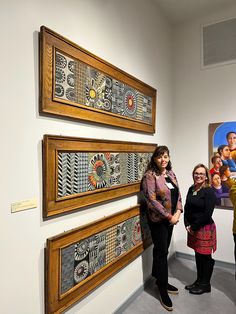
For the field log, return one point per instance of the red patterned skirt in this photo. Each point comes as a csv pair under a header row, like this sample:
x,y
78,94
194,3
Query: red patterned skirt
x,y
203,240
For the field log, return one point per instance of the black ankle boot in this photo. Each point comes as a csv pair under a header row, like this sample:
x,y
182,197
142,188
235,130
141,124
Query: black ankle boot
x,y
193,285
201,288
204,283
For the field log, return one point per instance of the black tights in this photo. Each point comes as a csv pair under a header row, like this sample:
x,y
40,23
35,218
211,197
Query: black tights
x,y
205,264
203,257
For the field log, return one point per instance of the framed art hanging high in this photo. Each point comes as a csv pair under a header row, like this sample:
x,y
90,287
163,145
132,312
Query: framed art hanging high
x,y
79,85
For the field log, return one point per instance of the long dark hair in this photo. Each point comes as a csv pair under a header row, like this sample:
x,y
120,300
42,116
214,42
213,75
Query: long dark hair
x,y
159,151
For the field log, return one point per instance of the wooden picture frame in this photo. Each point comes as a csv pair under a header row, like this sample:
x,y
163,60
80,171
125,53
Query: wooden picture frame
x,y
79,85
80,260
79,172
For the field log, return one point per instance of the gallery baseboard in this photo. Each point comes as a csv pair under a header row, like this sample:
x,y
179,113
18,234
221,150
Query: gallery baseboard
x,y
217,262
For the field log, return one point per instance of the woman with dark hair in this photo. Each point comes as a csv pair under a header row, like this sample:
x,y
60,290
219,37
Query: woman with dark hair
x,y
198,210
164,207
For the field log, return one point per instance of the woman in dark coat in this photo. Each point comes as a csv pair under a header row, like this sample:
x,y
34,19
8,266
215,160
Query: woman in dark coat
x,y
198,210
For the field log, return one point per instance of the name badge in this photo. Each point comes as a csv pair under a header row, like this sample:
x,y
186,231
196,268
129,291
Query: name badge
x,y
169,185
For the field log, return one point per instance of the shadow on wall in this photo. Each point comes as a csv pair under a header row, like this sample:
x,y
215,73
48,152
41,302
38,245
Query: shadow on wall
x,y
146,235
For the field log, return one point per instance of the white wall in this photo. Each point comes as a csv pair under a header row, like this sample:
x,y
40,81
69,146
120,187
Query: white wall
x,y
132,35
201,96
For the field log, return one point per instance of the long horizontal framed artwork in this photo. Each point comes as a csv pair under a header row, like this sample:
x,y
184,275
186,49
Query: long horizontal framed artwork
x,y
79,85
79,260
79,172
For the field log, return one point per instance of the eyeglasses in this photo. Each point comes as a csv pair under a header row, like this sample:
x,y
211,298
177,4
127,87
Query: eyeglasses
x,y
197,174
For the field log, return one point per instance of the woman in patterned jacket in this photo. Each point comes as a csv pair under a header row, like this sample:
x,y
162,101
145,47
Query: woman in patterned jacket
x,y
164,207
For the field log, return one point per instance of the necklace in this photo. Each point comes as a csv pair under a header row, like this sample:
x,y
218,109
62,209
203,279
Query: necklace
x,y
196,191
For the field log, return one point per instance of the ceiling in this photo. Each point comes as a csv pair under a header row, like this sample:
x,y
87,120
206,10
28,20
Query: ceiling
x,y
178,11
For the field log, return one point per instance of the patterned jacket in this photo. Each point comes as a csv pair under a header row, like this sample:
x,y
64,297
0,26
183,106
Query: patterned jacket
x,y
158,195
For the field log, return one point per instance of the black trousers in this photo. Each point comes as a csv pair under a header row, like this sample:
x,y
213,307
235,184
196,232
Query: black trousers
x,y
161,233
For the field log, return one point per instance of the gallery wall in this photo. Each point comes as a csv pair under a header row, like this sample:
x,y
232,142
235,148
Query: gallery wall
x,y
201,96
132,35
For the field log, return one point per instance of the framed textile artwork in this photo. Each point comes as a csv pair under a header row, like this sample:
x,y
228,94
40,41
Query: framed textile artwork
x,y
222,159
79,260
79,85
79,172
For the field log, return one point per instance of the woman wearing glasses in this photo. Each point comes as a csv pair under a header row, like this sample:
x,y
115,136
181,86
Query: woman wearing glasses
x,y
164,207
199,207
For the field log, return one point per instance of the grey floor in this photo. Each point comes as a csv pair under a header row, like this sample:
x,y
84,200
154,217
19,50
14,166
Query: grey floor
x,y
222,298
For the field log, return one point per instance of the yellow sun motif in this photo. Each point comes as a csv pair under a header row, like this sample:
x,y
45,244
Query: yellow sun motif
x,y
92,93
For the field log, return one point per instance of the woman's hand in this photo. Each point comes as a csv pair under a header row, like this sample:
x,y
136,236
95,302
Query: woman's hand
x,y
175,219
178,213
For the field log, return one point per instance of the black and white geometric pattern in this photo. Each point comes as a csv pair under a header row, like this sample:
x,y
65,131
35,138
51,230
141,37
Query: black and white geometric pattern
x,y
118,89
84,258
114,164
65,77
81,250
110,244
81,172
147,109
81,271
84,85
121,239
97,252
132,167
128,231
72,173
123,158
